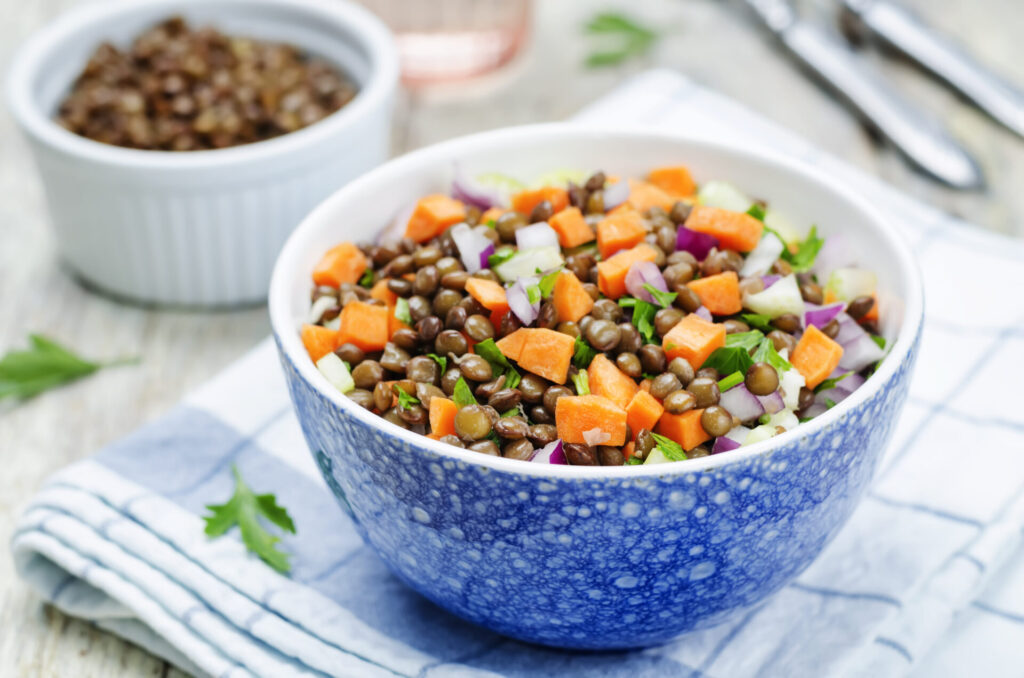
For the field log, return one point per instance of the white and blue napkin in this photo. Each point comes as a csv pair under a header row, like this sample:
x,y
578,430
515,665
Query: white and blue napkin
x,y
927,579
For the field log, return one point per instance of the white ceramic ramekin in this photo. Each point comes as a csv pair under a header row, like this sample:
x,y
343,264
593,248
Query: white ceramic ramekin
x,y
199,228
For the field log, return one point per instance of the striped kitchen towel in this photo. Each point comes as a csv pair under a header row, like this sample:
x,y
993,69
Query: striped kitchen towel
x,y
926,579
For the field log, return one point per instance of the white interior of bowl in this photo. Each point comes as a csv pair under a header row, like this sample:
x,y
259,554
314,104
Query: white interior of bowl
x,y
338,31
362,209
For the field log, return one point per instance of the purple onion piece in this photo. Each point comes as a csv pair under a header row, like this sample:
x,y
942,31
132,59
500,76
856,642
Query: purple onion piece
x,y
615,195
519,301
703,312
772,402
470,244
723,444
770,280
819,316
471,192
697,244
645,273
550,454
485,256
741,403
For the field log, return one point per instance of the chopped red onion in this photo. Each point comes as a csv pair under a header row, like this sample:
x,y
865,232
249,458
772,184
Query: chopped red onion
x,y
723,444
741,403
615,195
536,235
859,349
550,454
485,261
772,403
470,243
770,280
816,409
697,244
469,191
835,253
644,273
819,316
761,258
519,300
703,312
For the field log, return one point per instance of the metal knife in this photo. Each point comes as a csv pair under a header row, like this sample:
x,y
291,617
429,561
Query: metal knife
x,y
906,32
919,136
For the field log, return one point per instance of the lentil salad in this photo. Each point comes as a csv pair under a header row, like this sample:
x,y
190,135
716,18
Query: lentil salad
x,y
594,320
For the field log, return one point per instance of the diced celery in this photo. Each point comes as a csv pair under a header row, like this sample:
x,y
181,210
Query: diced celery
x,y
723,194
656,456
763,432
781,298
333,367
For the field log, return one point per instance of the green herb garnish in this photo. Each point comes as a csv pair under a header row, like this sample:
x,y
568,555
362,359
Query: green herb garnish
x,y
461,393
664,299
758,321
725,383
729,359
757,211
764,419
502,255
405,401
583,353
806,252
367,279
643,316
244,509
547,283
633,461
533,294
402,310
744,340
766,353
830,383
582,382
46,364
489,351
670,448
514,412
628,39
830,403
879,340
491,223
440,360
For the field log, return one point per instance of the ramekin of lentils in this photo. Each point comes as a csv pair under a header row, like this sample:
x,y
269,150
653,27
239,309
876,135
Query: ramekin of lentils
x,y
182,89
594,320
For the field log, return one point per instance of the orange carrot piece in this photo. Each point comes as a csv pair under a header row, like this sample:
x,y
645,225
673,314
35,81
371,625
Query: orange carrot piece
x,y
511,345
872,315
319,341
674,180
611,273
442,416
492,213
343,263
628,450
571,227
432,215
570,298
619,232
693,339
525,201
365,325
720,293
816,356
380,292
645,385
490,294
643,196
609,381
683,428
576,415
547,354
735,230
643,411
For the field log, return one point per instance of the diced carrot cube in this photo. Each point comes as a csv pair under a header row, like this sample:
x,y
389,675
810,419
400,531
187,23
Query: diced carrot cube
x,y
442,416
609,381
620,232
683,428
571,227
432,215
643,412
675,180
694,340
525,201
491,214
511,345
319,341
592,415
343,263
611,273
719,293
735,230
570,298
643,196
547,354
490,294
816,356
365,325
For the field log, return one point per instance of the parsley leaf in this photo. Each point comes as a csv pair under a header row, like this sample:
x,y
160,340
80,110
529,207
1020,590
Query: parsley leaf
x,y
766,353
664,299
547,283
806,252
830,383
245,509
583,353
502,255
744,340
725,383
491,223
630,39
633,461
516,411
405,401
533,294
729,359
764,419
581,380
643,316
830,403
402,310
441,361
367,279
46,364
879,340
757,211
461,394
758,321
670,448
489,351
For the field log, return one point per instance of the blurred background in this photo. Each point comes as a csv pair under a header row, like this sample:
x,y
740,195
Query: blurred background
x,y
503,62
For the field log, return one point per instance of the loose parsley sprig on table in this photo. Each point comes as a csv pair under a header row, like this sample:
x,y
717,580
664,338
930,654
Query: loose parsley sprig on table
x,y
44,365
244,509
628,39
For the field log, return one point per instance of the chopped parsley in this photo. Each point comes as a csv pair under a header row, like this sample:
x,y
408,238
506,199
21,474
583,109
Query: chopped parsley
x,y
643,316
766,353
491,223
830,383
628,39
664,299
533,294
879,340
547,283
583,353
402,310
633,461
758,321
744,340
729,359
670,448
489,351
405,401
757,211
441,361
582,382
461,394
764,419
367,279
806,252
728,382
502,255
830,403
514,412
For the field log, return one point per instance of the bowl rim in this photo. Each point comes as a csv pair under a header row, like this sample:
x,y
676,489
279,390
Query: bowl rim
x,y
288,341
369,34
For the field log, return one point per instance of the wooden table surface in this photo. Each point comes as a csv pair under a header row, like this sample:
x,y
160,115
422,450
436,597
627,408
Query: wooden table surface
x,y
713,42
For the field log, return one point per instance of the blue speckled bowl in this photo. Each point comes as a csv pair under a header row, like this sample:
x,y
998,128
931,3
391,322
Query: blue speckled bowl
x,y
597,557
